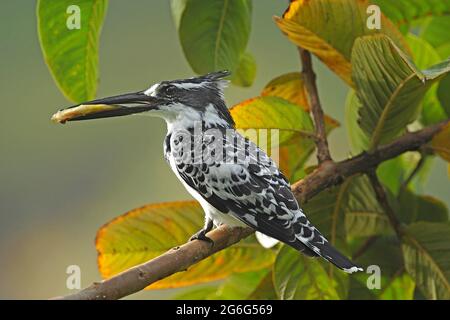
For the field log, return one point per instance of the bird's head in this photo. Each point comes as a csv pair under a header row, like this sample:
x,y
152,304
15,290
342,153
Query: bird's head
x,y
194,99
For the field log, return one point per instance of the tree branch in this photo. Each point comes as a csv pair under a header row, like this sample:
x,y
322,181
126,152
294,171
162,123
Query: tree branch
x,y
330,174
309,77
175,260
181,258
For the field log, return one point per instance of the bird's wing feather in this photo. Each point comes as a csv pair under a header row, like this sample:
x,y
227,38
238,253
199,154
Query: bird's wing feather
x,y
247,184
254,191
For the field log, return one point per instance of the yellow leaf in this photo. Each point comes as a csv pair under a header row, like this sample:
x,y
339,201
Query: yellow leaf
x,y
269,113
328,29
290,87
294,155
441,143
147,232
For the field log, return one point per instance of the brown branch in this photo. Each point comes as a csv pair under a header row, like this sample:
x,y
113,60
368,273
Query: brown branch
x,y
309,77
330,174
181,258
175,260
381,196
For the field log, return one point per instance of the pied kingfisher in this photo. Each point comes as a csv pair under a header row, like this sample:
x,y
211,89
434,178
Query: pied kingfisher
x,y
235,182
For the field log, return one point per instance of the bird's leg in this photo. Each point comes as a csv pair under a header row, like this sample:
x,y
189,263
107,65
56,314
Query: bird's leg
x,y
201,235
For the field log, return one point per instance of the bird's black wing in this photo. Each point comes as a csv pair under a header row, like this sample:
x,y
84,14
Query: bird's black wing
x,y
247,184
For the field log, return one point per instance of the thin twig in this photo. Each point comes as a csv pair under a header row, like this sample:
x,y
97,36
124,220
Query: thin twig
x,y
309,77
381,196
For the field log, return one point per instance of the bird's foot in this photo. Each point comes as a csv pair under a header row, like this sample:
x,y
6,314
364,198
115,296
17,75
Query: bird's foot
x,y
201,235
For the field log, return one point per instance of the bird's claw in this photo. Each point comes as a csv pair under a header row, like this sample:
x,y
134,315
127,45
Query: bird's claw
x,y
201,235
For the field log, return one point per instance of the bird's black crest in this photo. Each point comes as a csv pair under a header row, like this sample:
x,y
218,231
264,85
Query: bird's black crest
x,y
209,93
217,75
209,77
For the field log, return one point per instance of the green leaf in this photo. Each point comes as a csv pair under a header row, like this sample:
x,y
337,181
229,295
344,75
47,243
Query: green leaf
x,y
384,252
356,137
432,111
443,94
214,33
177,8
265,289
202,293
426,250
436,33
294,155
273,113
392,173
147,232
327,212
435,106
289,86
423,53
388,106
347,210
400,288
358,289
239,286
236,287
406,11
72,54
363,214
425,56
299,277
415,207
431,209
332,42
246,71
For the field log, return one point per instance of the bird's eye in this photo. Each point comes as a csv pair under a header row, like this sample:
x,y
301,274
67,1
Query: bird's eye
x,y
169,90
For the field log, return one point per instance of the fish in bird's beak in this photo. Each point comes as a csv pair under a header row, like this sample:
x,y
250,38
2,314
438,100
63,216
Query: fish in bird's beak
x,y
115,106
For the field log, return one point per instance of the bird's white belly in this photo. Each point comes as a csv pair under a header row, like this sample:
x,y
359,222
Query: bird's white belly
x,y
215,215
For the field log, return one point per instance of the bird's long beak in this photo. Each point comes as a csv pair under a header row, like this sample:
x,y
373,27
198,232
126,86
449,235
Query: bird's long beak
x,y
115,106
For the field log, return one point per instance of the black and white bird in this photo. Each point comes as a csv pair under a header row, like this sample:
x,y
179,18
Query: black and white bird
x,y
235,182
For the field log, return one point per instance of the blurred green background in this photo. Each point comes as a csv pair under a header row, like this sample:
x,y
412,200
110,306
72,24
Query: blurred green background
x,y
59,184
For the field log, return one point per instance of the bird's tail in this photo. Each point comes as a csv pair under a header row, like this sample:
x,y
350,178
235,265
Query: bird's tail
x,y
308,236
330,253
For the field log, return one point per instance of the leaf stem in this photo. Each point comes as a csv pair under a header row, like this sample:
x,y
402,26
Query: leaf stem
x,y
381,196
365,246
